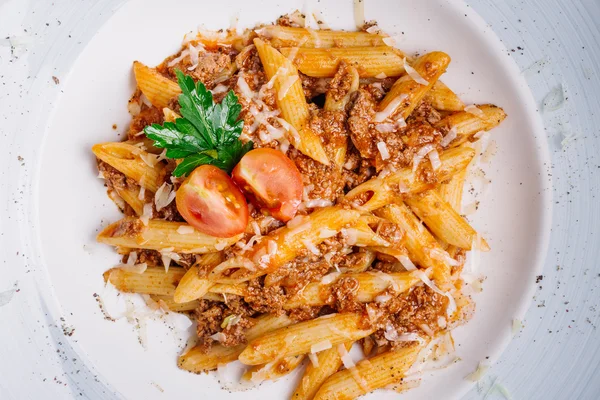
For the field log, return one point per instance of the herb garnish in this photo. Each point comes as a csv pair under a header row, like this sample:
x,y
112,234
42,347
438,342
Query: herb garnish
x,y
208,133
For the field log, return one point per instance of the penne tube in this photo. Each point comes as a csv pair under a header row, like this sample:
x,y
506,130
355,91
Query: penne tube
x,y
291,101
129,160
300,338
195,360
443,221
172,305
362,261
421,245
131,196
468,124
154,280
442,98
452,191
328,363
239,289
381,191
407,93
161,235
370,285
285,36
159,89
273,370
368,61
285,244
362,235
337,99
192,286
369,374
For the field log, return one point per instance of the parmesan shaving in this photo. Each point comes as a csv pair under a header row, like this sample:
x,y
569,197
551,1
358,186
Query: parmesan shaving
x,y
359,13
414,74
164,196
450,136
517,325
473,109
434,158
256,228
142,193
390,108
311,247
383,150
185,230
136,268
381,75
329,278
443,256
150,159
421,153
385,128
220,88
407,263
327,233
345,356
317,347
314,360
146,213
219,337
244,88
286,85
389,41
317,203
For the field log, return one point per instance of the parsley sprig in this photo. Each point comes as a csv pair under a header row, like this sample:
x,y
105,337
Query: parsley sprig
x,y
208,133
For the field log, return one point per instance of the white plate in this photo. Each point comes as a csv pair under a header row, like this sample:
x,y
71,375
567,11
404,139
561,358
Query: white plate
x,y
95,98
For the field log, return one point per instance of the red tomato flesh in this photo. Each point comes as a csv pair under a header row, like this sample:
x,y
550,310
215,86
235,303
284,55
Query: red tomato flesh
x,y
270,181
210,202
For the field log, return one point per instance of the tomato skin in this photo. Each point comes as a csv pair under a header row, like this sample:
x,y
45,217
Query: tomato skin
x,y
270,181
210,202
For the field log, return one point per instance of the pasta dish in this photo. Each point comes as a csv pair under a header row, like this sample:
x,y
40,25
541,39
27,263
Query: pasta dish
x,y
297,193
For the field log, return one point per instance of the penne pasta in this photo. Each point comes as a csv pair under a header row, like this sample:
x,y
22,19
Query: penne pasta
x,y
287,242
368,61
192,286
381,191
285,36
161,235
195,360
370,285
368,375
452,191
328,363
443,221
338,98
291,101
299,338
131,196
273,370
159,89
421,245
154,280
442,98
468,124
363,261
407,93
129,160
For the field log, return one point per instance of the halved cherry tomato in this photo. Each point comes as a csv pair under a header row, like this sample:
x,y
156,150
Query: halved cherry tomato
x,y
209,201
271,181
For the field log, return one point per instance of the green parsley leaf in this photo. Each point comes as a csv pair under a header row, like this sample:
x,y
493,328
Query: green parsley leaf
x,y
208,133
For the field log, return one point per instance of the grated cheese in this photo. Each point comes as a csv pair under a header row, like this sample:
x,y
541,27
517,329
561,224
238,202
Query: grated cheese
x,y
146,213
450,136
329,278
389,41
164,196
286,85
185,230
311,247
421,153
142,193
434,158
135,268
327,233
414,74
473,109
314,360
345,356
390,108
385,128
407,263
381,75
317,347
383,150
359,13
